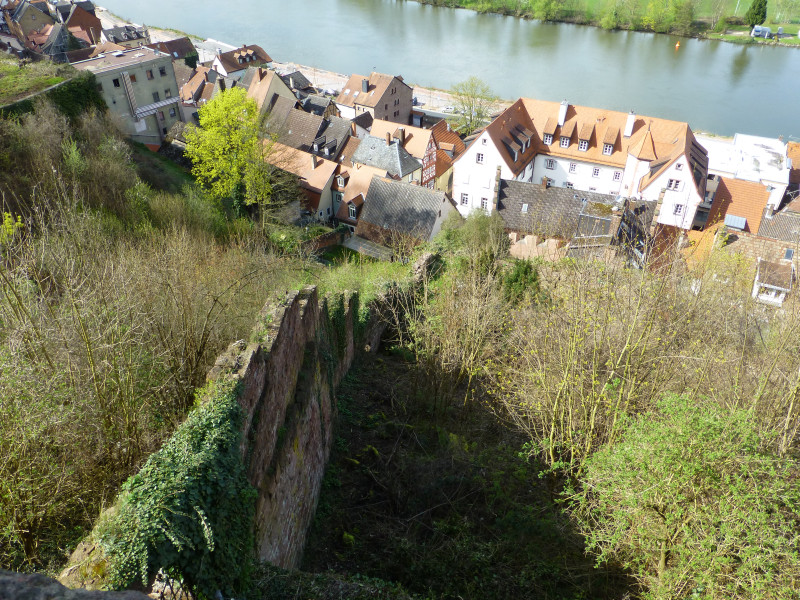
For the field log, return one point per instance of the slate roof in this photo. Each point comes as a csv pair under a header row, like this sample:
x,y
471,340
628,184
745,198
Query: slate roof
x,y
315,104
297,81
392,158
299,130
124,33
364,120
783,225
338,130
402,207
415,139
178,49
559,212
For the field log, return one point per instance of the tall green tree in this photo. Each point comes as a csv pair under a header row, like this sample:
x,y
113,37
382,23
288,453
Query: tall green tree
x,y
757,13
473,99
694,503
226,151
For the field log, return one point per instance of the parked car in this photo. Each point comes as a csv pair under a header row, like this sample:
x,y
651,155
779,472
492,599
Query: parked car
x,y
448,109
760,31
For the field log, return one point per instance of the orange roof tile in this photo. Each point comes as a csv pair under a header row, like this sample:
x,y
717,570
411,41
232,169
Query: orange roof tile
x,y
507,133
416,138
740,198
377,83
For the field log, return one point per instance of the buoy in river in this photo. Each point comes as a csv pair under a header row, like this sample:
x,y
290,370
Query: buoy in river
x,y
677,45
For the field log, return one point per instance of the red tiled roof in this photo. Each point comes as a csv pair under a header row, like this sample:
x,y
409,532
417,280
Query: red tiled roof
x,y
740,198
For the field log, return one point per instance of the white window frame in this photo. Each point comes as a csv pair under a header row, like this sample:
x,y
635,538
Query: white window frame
x,y
678,166
569,185
564,141
596,172
479,158
352,211
608,149
583,145
464,198
549,163
674,185
573,167
677,209
617,175
485,203
548,138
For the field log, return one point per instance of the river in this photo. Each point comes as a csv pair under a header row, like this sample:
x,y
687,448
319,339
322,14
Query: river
x,y
716,87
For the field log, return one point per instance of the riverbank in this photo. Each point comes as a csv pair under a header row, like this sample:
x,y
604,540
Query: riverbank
x,y
679,18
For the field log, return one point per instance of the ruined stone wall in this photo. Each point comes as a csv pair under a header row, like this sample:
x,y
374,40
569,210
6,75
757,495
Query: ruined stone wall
x,y
300,349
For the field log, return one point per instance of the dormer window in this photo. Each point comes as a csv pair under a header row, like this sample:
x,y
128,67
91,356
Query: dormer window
x,y
583,145
340,181
564,141
548,138
608,149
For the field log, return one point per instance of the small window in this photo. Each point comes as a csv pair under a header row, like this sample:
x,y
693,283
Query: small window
x,y
479,158
149,74
385,106
328,211
155,97
569,185
464,199
133,78
678,210
172,112
352,211
674,184
573,167
583,145
596,172
608,149
617,175
548,138
161,115
483,141
485,203
549,163
167,93
789,254
116,83
164,130
679,167
162,71
564,141
525,208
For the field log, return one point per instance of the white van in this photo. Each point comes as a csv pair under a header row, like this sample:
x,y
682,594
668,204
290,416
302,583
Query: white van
x,y
760,31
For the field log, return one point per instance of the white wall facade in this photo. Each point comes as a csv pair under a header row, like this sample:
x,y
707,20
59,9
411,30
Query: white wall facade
x,y
680,195
474,181
581,175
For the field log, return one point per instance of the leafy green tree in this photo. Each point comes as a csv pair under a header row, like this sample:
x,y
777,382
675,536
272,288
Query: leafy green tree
x,y
693,502
226,152
473,100
757,13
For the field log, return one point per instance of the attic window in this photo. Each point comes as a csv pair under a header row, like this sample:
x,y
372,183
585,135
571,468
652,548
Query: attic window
x,y
789,254
608,149
548,138
583,145
679,166
347,91
340,181
524,208
564,141
352,211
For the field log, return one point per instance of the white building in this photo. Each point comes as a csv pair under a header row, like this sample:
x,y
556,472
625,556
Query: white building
x,y
587,149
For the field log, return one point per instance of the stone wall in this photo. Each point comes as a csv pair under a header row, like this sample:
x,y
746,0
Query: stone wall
x,y
298,353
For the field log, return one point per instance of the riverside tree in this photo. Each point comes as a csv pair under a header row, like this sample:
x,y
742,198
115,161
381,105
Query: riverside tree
x,y
692,500
226,151
757,13
473,100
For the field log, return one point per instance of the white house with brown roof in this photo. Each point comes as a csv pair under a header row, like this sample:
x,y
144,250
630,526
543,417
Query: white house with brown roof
x,y
587,149
316,176
385,97
235,62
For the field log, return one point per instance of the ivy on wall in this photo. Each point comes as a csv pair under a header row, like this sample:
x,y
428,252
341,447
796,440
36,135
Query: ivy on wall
x,y
189,511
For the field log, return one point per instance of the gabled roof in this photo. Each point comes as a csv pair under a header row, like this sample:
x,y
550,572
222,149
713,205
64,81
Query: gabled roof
x,y
298,130
346,155
358,180
509,132
739,198
86,22
337,132
194,87
364,120
402,208
178,49
315,104
443,134
125,33
296,81
377,84
414,139
531,208
258,82
314,172
644,148
241,58
392,158
783,225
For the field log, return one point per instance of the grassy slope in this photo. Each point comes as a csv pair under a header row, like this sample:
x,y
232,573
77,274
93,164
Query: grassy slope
x,y
16,83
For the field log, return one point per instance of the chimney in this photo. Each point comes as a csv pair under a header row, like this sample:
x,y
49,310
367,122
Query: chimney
x,y
629,124
365,85
562,113
291,82
497,183
313,162
769,211
219,51
545,183
388,139
353,130
402,135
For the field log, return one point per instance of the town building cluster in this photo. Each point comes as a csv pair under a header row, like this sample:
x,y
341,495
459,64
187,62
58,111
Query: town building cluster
x,y
567,180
